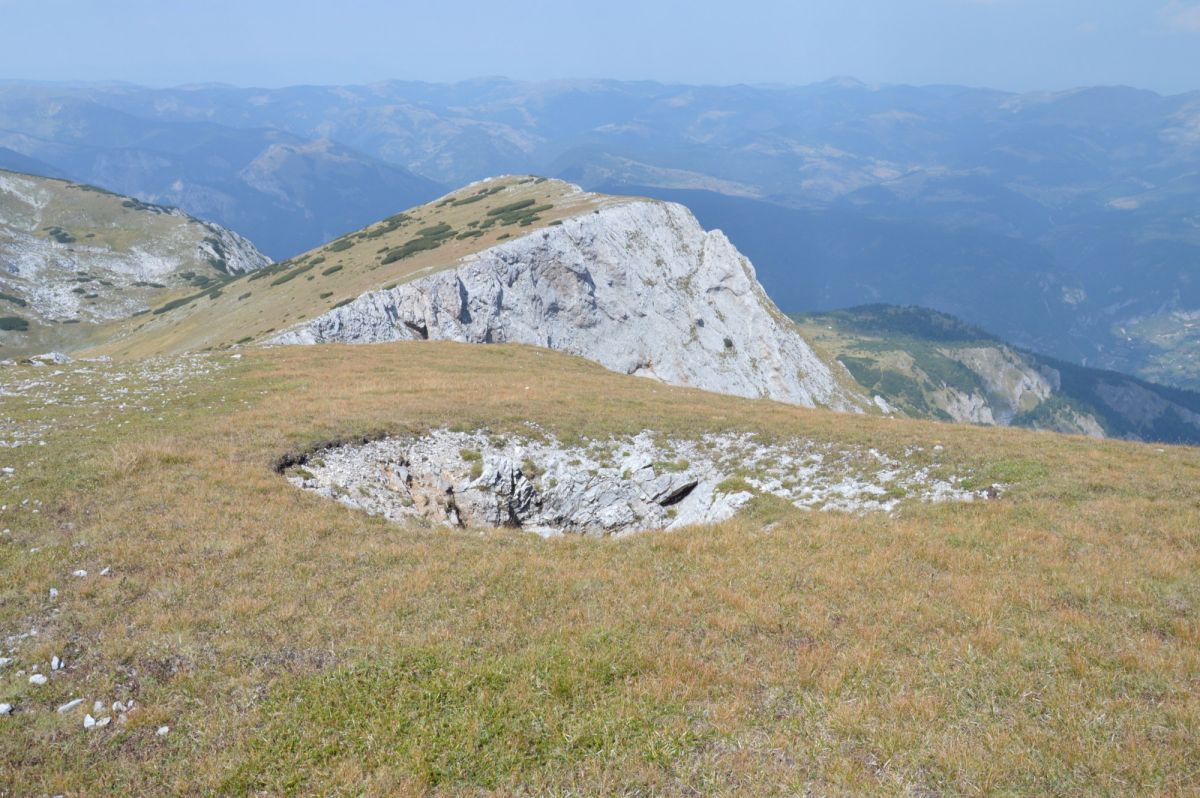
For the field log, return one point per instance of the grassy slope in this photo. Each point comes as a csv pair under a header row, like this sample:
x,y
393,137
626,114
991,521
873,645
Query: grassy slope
x,y
1045,643
92,218
309,285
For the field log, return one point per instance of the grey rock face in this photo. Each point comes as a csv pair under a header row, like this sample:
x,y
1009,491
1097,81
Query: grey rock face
x,y
638,287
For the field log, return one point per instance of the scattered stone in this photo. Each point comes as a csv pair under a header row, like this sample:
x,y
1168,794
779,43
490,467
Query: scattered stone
x,y
100,724
162,731
105,571
97,706
67,707
118,707
80,573
6,709
53,593
56,358
5,661
38,679
88,721
55,663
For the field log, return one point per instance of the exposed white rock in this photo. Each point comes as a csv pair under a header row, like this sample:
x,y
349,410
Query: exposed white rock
x,y
638,287
609,487
6,709
67,707
88,721
162,731
80,574
38,679
57,358
55,663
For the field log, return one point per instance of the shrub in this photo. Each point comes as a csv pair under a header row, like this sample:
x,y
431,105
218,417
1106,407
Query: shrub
x,y
291,275
13,324
512,206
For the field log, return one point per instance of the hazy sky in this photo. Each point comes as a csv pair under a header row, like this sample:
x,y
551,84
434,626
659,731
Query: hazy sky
x,y
1010,44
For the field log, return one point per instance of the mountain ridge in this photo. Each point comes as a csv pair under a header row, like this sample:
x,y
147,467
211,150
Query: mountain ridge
x,y
74,257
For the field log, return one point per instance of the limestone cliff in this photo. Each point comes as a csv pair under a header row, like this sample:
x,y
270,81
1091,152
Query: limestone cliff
x,y
637,286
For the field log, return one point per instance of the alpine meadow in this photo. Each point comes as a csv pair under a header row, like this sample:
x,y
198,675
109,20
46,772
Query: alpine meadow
x,y
700,427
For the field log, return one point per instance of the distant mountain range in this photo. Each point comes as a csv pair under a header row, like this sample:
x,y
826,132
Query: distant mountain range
x,y
1065,222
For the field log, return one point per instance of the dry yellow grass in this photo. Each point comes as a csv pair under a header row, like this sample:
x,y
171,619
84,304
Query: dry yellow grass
x,y
1044,644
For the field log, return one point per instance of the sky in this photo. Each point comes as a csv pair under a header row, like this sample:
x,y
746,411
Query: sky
x,y
1017,45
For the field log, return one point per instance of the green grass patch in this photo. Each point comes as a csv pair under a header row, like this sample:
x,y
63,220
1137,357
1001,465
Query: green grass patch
x,y
455,721
735,485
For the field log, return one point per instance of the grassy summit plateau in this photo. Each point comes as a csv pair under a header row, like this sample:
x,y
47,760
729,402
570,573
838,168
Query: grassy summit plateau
x,y
1046,642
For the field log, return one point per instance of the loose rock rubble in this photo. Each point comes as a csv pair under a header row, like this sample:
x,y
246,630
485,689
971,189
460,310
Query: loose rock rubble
x,y
612,486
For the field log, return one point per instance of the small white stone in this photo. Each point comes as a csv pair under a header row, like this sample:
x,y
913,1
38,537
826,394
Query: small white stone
x,y
55,663
38,678
5,709
100,724
53,592
237,357
80,573
97,706
118,707
67,707
88,721
5,661
162,731
105,571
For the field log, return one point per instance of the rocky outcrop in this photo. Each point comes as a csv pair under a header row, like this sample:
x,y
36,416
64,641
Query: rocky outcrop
x,y
638,287
1012,385
613,486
